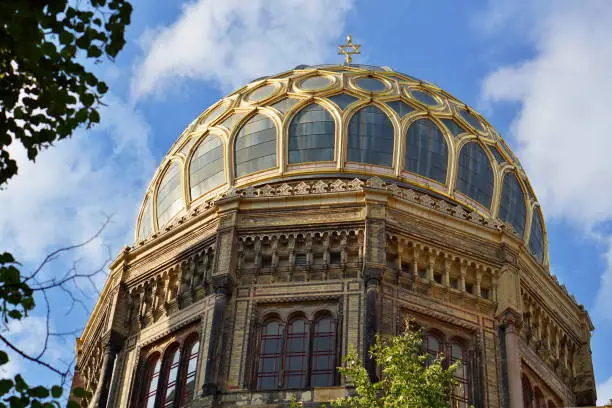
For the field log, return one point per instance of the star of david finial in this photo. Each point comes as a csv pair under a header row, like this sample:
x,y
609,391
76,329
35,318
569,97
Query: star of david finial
x,y
349,49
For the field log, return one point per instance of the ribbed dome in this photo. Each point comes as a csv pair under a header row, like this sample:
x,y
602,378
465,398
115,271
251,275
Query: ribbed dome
x,y
344,121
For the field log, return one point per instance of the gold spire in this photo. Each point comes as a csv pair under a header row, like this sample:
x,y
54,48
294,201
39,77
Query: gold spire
x,y
349,49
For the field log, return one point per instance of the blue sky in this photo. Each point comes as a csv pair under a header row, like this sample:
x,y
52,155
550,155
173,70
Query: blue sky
x,y
539,71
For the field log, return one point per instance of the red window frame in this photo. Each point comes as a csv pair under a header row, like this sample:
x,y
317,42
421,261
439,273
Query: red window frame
x,y
270,355
329,354
153,370
192,353
460,394
171,369
299,354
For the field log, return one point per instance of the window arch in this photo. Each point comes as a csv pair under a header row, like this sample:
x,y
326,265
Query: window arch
x,y
152,371
255,146
187,386
311,135
475,178
512,206
370,137
146,227
323,359
536,238
206,168
460,395
426,150
270,356
172,359
169,195
296,354
432,345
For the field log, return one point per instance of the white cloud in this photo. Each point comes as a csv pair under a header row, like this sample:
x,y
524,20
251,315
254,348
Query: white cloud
x,y
604,392
564,124
62,198
234,41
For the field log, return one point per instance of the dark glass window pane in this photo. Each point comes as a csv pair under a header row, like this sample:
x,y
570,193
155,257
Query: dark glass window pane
x,y
453,126
536,239
152,378
400,107
423,97
342,100
512,206
471,119
255,147
460,397
370,137
371,84
314,83
296,354
311,135
269,356
188,381
475,178
323,353
206,167
500,159
285,104
426,150
169,195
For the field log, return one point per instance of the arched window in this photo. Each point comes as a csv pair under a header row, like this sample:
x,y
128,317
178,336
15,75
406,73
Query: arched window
x,y
171,372
460,390
169,195
255,147
145,222
426,150
270,356
370,137
152,371
512,206
323,359
431,346
475,178
311,135
540,402
296,355
206,166
192,351
536,239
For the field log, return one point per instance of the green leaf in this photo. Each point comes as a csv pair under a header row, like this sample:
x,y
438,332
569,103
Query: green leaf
x,y
3,358
5,386
15,314
39,392
56,391
79,392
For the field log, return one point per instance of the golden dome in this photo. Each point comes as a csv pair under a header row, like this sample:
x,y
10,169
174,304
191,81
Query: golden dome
x,y
344,122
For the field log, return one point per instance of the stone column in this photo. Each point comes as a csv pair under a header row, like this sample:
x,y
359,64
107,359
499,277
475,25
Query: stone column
x,y
510,325
222,295
109,353
372,282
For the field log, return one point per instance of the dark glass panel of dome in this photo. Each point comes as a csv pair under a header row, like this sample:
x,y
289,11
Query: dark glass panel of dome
x,y
285,104
400,107
370,137
311,135
475,177
169,195
371,84
145,221
453,126
512,206
206,167
423,97
314,83
342,100
500,159
426,150
255,147
471,119
536,239
409,76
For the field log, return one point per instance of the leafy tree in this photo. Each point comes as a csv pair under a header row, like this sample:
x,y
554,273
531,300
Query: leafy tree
x,y
46,93
409,378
